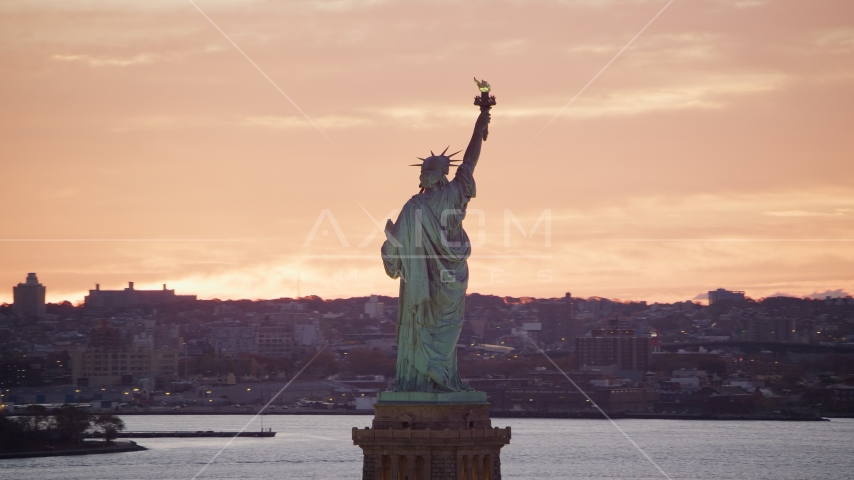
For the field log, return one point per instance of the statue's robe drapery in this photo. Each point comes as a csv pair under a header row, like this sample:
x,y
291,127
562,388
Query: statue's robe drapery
x,y
428,249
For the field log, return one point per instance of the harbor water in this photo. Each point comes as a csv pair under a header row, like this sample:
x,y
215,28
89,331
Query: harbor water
x,y
319,447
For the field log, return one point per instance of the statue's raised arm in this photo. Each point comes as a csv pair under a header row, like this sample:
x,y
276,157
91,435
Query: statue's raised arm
x,y
481,126
480,131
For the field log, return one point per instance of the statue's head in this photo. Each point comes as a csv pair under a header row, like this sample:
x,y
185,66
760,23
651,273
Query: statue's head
x,y
434,168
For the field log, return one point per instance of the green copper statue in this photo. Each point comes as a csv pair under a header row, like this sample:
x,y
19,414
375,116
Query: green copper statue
x,y
427,249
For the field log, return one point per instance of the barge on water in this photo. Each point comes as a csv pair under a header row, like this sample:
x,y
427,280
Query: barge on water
x,y
196,434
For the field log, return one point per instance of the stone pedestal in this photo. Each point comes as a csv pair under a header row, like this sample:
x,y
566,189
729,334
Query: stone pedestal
x,y
427,436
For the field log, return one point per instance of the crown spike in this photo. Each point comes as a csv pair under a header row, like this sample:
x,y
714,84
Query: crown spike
x,y
451,155
432,154
445,150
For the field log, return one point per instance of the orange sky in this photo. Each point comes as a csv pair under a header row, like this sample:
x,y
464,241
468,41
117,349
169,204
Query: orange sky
x,y
137,144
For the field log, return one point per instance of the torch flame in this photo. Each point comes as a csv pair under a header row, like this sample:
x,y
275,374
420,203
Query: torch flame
x,y
482,85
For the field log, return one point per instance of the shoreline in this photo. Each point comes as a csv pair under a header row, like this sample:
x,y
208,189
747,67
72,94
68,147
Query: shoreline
x,y
659,416
115,447
509,414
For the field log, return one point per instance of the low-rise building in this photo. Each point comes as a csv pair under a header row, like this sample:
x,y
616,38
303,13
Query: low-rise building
x,y
101,299
94,367
614,347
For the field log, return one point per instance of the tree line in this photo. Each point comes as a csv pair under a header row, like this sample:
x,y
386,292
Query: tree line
x,y
39,428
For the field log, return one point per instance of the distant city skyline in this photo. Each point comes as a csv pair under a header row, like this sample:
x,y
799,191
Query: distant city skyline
x,y
115,295
140,145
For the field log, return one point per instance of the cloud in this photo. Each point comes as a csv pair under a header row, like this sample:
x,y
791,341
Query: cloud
x,y
702,94
342,5
290,122
272,122
803,213
842,38
782,294
165,122
707,93
838,293
745,3
597,48
511,46
109,61
661,48
108,5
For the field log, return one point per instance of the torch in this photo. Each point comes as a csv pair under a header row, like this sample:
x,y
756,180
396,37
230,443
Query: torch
x,y
485,101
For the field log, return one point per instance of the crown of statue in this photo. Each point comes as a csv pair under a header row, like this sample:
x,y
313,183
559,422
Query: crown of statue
x,y
436,163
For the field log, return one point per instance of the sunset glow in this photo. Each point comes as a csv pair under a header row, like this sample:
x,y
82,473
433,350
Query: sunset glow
x,y
138,144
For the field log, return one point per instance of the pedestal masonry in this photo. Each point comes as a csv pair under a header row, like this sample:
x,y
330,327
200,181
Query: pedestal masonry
x,y
432,425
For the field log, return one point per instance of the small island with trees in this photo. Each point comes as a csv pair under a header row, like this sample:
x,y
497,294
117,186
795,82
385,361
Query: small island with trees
x,y
42,432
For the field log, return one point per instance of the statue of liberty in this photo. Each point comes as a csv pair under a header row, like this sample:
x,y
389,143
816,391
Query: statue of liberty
x,y
427,249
